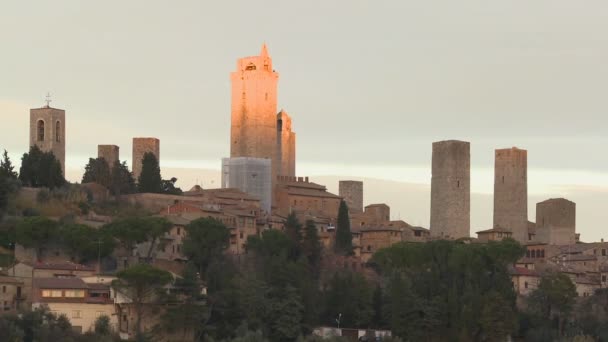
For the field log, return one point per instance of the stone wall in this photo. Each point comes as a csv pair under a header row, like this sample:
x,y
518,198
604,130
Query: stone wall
x,y
511,191
556,221
286,150
451,189
142,146
47,131
111,153
352,192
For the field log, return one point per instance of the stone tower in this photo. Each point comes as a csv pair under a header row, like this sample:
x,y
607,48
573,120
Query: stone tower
x,y
352,192
451,189
286,140
111,153
556,221
511,191
142,146
253,131
47,131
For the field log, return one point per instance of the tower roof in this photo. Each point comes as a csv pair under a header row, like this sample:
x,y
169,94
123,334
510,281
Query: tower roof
x,y
264,52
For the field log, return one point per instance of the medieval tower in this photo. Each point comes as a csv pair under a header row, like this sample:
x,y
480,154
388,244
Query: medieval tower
x,y
511,191
352,193
451,189
111,154
556,221
47,131
253,131
142,146
286,149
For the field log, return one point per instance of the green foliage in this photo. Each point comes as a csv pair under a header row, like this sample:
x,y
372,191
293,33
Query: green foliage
x,y
553,300
168,187
102,325
344,238
121,181
40,169
442,288
134,230
141,284
286,315
6,167
350,296
36,232
97,171
206,240
9,183
149,180
311,247
86,243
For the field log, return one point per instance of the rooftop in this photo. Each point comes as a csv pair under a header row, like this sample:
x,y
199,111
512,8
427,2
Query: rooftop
x,y
60,283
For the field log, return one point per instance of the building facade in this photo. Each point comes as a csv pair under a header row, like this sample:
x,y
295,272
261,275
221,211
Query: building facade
x,y
556,221
286,150
250,175
511,191
352,193
111,154
142,146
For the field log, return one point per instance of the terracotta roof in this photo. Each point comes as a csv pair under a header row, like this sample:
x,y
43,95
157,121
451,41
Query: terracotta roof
x,y
497,229
66,266
575,257
60,283
376,205
523,272
311,192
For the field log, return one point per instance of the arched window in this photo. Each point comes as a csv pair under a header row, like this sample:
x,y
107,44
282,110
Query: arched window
x,y
40,130
534,253
58,131
250,66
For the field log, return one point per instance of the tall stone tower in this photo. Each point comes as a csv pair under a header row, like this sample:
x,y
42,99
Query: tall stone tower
x,y
111,153
451,189
47,131
254,109
286,151
511,191
352,192
142,146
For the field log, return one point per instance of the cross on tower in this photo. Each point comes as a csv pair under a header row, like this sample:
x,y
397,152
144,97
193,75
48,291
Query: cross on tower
x,y
48,100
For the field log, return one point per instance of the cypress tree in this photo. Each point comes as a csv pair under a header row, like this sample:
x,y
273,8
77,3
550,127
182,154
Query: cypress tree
x,y
344,239
150,179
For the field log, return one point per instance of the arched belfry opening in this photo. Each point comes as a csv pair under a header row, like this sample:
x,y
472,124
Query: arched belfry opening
x,y
40,130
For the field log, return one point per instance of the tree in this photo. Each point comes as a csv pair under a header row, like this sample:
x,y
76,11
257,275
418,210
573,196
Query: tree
x,y
311,246
102,325
350,295
140,283
86,243
344,238
286,315
554,299
36,232
6,167
206,240
150,180
41,169
168,187
121,180
97,171
134,230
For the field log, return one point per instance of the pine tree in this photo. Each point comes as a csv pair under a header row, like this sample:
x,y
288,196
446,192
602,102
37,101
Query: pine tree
x,y
121,180
311,246
344,239
41,169
97,171
150,179
6,167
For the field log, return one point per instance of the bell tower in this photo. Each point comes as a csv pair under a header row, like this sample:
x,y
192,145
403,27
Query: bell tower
x,y
47,131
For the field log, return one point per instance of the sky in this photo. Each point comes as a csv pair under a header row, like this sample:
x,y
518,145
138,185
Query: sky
x,y
369,84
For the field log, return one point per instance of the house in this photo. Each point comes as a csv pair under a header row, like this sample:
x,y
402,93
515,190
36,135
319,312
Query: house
x,y
495,234
524,280
80,302
12,295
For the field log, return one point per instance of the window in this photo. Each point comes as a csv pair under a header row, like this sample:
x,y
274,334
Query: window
x,y
266,96
58,131
99,314
526,284
3,289
604,278
417,233
369,248
458,184
179,248
527,254
250,66
542,253
603,252
243,95
74,293
6,306
503,179
52,293
40,130
76,314
179,230
241,235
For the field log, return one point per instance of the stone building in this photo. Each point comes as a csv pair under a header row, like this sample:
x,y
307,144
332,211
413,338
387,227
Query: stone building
x,y
111,154
495,234
301,195
286,150
556,221
250,175
511,191
352,193
253,130
451,189
11,295
47,131
142,146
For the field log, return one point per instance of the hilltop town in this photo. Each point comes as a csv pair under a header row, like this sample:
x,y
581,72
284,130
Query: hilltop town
x,y
72,249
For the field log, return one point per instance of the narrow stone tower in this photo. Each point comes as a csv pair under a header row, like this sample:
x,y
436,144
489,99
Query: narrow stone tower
x,y
451,189
352,192
47,131
254,109
111,153
511,191
556,221
142,146
286,151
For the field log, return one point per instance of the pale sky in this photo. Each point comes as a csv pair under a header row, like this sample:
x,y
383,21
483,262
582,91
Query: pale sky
x,y
369,84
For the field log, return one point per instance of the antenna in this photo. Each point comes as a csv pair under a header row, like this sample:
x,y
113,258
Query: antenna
x,y
48,100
